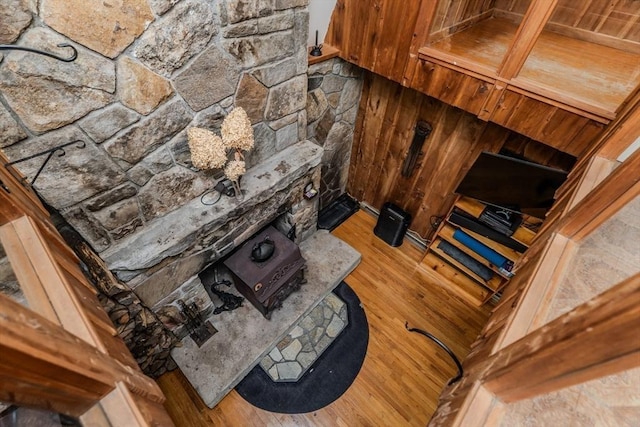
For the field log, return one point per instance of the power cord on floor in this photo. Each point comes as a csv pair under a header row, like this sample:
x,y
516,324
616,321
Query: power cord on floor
x,y
444,347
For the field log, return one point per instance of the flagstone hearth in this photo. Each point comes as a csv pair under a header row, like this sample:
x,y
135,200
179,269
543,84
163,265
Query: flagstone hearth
x,y
292,357
245,337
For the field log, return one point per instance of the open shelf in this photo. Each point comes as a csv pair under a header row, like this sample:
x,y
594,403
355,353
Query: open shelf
x,y
465,286
585,75
466,282
447,234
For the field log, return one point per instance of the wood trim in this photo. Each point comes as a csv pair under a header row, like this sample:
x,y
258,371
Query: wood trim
x,y
558,99
526,37
598,170
50,279
420,37
121,409
481,410
95,417
581,34
26,274
625,134
594,339
429,54
57,294
540,288
328,52
36,354
449,65
611,195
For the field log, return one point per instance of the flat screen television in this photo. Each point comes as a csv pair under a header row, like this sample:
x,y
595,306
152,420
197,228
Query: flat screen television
x,y
514,184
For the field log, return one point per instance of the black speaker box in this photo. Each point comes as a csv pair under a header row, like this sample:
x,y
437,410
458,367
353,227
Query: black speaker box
x,y
392,224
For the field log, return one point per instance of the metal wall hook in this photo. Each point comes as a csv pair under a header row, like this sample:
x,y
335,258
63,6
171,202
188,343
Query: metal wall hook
x,y
74,53
50,152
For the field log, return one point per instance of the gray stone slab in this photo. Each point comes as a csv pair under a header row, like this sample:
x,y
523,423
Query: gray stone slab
x,y
245,337
144,250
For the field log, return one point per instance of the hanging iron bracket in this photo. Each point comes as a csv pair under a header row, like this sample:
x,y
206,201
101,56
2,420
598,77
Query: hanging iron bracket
x,y
49,153
74,53
422,132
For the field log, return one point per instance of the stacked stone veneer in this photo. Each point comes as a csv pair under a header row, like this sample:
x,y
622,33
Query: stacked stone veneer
x,y
333,96
146,71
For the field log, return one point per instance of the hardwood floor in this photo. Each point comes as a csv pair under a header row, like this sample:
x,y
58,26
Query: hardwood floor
x,y
403,372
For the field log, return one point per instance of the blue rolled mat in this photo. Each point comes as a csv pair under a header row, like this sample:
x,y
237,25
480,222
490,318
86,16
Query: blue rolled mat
x,y
481,249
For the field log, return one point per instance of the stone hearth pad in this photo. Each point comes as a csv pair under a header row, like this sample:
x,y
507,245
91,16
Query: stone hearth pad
x,y
245,337
292,357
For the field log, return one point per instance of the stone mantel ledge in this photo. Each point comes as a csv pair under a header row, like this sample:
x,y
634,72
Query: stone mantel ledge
x,y
171,234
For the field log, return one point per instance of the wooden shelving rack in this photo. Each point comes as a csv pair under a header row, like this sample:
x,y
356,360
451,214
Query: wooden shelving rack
x,y
458,276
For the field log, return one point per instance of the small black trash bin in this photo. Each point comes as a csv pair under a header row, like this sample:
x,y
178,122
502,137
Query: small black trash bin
x,y
392,224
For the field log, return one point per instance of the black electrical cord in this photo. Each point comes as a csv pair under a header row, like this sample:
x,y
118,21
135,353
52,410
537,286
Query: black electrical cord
x,y
202,198
444,347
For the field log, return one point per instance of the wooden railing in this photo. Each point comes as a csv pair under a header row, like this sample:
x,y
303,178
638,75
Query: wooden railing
x,y
62,353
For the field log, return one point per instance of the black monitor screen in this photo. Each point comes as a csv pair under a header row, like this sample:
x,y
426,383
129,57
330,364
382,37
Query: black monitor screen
x,y
512,183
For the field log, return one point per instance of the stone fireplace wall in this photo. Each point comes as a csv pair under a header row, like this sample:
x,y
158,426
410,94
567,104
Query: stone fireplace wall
x,y
146,71
333,97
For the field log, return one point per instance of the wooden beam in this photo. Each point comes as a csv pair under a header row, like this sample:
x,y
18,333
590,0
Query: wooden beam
x,y
29,343
535,303
526,37
40,277
597,338
420,38
618,189
42,364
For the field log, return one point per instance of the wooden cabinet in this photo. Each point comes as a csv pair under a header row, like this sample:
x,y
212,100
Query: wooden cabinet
x,y
472,275
543,49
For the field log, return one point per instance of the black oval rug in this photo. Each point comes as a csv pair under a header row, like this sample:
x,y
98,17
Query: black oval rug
x,y
327,379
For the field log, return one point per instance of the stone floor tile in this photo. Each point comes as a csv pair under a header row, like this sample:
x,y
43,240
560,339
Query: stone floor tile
x,y
275,354
292,350
335,327
289,370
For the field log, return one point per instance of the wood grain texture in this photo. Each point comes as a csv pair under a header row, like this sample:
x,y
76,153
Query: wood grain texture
x,y
453,16
542,264
459,89
403,373
575,73
596,338
566,131
43,364
36,354
375,34
610,23
387,118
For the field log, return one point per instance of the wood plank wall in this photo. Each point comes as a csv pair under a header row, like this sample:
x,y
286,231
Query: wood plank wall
x,y
384,131
374,34
612,23
456,15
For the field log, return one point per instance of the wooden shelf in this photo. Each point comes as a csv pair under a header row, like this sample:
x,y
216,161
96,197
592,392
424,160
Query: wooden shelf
x,y
328,52
492,284
578,73
461,278
466,287
446,233
475,208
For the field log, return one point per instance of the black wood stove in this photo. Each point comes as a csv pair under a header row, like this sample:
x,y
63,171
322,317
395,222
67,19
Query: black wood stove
x,y
266,269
